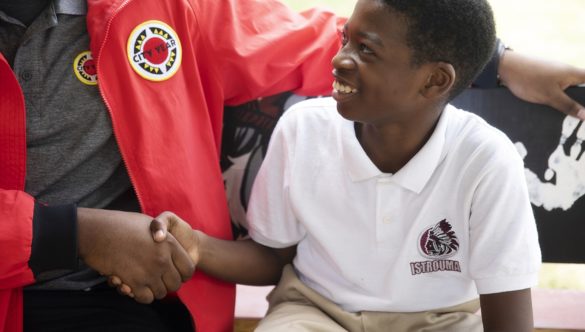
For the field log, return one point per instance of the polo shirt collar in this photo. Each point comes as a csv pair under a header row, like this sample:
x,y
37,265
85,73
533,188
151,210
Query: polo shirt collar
x,y
70,7
48,17
412,176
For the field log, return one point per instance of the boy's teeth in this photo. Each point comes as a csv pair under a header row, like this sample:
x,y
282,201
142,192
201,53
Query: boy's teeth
x,y
343,88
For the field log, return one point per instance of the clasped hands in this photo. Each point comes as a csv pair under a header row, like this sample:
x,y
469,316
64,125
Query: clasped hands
x,y
136,249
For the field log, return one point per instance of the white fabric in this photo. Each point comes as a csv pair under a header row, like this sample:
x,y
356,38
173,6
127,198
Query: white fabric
x,y
359,230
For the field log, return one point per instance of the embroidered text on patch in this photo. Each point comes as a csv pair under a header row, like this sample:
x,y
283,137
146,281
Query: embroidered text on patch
x,y
154,51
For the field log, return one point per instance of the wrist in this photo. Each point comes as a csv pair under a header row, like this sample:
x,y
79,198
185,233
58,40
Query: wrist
x,y
197,250
503,53
83,229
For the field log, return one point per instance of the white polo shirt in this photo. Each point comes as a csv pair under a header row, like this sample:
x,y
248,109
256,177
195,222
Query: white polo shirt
x,y
455,221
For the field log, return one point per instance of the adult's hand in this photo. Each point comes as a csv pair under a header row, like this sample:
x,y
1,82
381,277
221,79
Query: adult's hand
x,y
542,81
120,243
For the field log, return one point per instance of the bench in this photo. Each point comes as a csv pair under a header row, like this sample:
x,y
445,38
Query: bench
x,y
560,221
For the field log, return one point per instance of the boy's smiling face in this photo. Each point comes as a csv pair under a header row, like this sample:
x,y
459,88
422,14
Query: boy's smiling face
x,y
375,80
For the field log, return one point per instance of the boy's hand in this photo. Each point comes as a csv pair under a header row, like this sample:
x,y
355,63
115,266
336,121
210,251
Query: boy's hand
x,y
181,230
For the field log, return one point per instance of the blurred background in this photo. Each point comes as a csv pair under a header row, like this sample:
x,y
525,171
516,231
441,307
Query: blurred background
x,y
553,29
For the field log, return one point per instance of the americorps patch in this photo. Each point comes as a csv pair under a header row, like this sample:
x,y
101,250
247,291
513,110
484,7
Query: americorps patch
x,y
154,51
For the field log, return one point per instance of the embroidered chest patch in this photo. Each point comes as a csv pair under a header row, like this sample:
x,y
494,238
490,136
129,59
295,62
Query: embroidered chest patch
x,y
437,243
85,69
154,51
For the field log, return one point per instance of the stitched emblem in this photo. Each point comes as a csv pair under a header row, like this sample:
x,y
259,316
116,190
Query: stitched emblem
x,y
154,51
85,69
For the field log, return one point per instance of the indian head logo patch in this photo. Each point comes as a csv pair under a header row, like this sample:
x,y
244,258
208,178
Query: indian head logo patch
x,y
437,243
154,51
84,68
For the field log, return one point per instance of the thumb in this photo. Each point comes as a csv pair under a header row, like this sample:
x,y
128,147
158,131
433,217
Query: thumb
x,y
158,229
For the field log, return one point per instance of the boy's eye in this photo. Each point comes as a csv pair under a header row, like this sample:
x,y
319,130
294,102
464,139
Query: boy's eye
x,y
365,49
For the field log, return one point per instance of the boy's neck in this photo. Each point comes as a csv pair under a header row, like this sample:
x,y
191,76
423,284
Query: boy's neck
x,y
26,11
392,146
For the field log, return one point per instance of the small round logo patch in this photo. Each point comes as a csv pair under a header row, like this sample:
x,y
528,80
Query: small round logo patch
x,y
84,68
154,51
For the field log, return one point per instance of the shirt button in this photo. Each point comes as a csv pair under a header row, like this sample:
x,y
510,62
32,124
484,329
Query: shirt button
x,y
386,220
26,75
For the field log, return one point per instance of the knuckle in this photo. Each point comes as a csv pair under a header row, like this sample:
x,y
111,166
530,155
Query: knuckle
x,y
160,293
143,298
167,214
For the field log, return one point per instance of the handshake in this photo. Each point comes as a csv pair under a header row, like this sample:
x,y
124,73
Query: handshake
x,y
187,238
144,258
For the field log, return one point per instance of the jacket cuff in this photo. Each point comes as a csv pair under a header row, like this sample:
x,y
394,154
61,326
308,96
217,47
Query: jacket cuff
x,y
54,244
489,78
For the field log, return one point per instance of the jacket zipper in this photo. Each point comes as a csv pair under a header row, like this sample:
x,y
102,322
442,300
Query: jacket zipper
x,y
107,33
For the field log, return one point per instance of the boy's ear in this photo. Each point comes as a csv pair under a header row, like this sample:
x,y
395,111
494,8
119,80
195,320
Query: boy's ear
x,y
440,80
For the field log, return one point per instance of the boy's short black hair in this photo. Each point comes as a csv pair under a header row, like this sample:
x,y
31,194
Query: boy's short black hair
x,y
459,32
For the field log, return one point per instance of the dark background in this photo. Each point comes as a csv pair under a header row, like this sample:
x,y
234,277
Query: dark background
x,y
561,232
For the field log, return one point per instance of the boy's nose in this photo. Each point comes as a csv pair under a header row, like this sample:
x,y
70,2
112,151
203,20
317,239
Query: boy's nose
x,y
343,61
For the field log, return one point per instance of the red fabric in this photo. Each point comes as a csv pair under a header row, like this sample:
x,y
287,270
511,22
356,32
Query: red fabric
x,y
169,131
12,130
16,207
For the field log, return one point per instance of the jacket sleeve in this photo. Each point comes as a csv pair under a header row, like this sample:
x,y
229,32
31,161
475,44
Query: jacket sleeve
x,y
34,238
16,220
264,47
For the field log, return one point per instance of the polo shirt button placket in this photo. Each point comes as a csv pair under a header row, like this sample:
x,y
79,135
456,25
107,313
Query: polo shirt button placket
x,y
26,75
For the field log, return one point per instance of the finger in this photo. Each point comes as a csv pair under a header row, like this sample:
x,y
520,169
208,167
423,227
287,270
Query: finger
x,y
581,133
562,102
521,149
578,77
158,229
114,281
549,174
181,259
158,289
578,146
576,149
125,289
172,280
569,126
143,295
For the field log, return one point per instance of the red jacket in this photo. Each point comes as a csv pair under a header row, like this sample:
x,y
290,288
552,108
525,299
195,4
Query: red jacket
x,y
169,128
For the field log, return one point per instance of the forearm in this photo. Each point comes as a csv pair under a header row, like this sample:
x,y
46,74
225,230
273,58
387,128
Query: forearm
x,y
243,262
507,311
